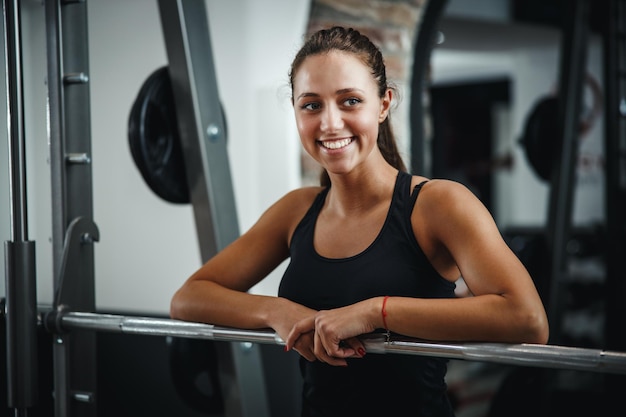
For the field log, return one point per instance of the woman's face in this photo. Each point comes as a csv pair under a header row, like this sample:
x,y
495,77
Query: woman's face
x,y
338,110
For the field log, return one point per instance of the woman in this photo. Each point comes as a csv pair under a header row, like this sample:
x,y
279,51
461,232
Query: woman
x,y
366,254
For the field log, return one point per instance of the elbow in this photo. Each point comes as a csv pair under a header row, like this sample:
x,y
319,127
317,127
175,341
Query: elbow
x,y
537,330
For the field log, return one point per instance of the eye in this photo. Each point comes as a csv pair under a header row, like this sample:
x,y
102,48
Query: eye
x,y
352,101
311,106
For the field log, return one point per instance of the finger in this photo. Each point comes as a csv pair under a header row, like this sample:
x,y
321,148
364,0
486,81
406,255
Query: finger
x,y
356,345
304,346
325,356
338,348
301,327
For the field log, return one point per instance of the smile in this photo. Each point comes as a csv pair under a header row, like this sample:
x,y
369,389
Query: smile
x,y
336,144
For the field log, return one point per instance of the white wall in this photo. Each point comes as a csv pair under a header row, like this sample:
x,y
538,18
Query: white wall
x,y
148,247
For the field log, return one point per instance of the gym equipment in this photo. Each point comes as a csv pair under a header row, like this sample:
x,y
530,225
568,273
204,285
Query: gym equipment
x,y
207,170
541,129
21,322
424,41
203,139
191,360
539,139
548,356
614,52
154,139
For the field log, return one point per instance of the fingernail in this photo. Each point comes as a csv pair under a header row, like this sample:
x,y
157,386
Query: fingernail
x,y
285,348
361,351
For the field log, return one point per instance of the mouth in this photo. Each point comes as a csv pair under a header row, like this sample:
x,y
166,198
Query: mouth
x,y
335,144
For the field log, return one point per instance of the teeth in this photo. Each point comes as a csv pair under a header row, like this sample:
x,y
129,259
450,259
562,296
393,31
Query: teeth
x,y
336,144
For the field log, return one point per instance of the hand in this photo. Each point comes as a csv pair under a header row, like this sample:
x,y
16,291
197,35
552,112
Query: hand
x,y
286,317
335,332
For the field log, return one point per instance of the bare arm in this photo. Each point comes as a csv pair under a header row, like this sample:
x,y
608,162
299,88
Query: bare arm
x,y
457,231
217,292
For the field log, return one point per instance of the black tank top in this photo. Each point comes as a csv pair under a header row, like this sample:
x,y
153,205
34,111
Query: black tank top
x,y
395,265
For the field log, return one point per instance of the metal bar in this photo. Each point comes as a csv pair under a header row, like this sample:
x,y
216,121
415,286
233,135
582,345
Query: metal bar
x,y
69,120
56,130
20,279
15,107
200,123
572,72
203,136
546,356
425,39
614,54
614,50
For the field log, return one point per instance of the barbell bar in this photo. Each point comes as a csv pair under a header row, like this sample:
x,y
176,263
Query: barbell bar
x,y
532,355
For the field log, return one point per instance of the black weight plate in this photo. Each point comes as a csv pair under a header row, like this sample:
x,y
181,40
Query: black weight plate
x,y
154,140
541,137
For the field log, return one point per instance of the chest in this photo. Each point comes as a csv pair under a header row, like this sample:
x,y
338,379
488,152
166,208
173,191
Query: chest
x,y
387,262
339,237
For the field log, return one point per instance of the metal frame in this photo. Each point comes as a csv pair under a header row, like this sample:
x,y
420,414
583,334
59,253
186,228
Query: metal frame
x,y
73,229
202,131
614,49
21,294
423,45
615,150
572,67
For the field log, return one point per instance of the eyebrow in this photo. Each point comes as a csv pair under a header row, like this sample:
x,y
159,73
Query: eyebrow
x,y
338,92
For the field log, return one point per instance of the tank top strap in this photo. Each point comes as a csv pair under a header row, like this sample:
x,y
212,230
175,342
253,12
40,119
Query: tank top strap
x,y
307,223
406,195
415,192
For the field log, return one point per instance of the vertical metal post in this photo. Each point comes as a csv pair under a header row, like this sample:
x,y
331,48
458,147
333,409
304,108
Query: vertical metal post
x,y
21,302
615,151
573,61
202,131
423,45
73,230
614,50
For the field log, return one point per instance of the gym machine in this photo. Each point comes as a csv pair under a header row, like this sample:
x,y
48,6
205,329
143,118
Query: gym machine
x,y
71,321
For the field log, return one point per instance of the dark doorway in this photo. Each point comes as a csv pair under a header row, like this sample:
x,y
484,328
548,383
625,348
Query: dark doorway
x,y
462,117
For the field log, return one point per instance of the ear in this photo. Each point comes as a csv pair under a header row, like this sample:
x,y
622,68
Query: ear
x,y
385,105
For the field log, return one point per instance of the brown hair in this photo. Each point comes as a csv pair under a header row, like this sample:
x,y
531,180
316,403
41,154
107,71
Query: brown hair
x,y
352,41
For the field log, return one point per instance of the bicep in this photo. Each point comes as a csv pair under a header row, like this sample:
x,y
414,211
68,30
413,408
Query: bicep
x,y
465,228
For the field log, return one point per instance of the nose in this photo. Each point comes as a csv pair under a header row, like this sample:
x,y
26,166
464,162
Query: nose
x,y
331,119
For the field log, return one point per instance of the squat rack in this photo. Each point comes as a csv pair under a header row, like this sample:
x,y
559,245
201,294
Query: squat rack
x,y
193,77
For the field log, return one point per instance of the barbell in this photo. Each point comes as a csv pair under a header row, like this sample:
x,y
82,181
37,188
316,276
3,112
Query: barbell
x,y
533,355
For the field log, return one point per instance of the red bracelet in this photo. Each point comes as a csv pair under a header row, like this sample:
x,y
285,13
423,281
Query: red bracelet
x,y
384,312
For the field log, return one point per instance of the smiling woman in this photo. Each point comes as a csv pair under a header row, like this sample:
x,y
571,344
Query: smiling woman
x,y
366,255
338,111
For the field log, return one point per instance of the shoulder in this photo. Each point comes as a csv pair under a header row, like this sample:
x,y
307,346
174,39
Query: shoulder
x,y
446,206
290,208
442,194
298,199
448,209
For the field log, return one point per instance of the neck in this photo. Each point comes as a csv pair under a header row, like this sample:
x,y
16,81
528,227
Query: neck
x,y
361,191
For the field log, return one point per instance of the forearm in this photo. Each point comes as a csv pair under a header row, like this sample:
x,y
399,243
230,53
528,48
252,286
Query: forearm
x,y
208,302
490,317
